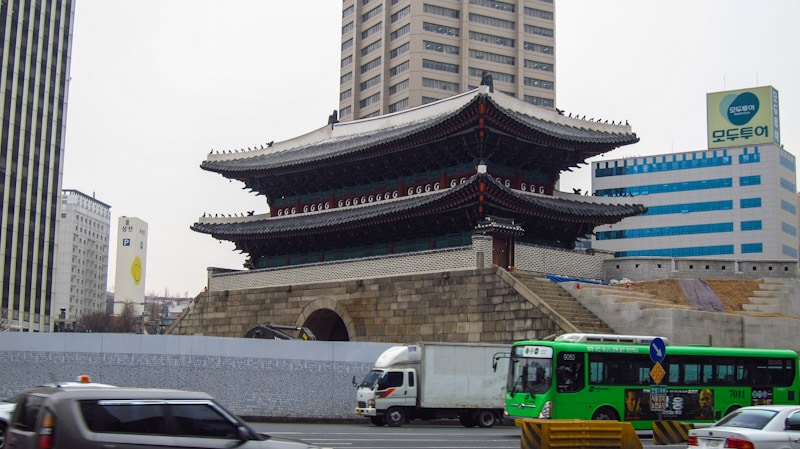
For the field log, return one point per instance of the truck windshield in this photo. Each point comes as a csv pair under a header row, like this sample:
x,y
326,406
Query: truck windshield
x,y
372,379
530,375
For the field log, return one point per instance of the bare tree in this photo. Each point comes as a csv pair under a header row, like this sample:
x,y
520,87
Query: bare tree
x,y
127,322
93,322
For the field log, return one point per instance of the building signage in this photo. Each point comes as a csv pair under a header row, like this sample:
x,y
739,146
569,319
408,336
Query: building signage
x,y
743,117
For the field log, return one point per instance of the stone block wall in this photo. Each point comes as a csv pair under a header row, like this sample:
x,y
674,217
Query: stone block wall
x,y
453,306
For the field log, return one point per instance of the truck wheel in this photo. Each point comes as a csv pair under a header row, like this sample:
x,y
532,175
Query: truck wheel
x,y
377,420
486,418
467,420
394,417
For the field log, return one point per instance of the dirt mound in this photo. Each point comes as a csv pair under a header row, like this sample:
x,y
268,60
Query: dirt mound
x,y
732,292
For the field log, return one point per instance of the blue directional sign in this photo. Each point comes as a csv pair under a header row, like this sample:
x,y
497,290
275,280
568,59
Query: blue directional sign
x,y
658,350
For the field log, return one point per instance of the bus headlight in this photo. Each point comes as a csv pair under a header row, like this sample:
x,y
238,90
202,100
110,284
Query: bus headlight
x,y
547,410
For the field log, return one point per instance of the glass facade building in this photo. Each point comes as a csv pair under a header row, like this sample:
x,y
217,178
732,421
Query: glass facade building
x,y
34,73
722,203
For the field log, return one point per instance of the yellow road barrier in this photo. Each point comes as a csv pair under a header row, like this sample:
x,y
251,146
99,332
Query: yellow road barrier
x,y
577,434
671,432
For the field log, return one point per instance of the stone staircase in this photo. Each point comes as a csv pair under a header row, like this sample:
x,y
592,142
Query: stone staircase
x,y
563,303
771,297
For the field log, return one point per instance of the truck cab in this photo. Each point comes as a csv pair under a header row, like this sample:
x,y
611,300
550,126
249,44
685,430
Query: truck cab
x,y
386,391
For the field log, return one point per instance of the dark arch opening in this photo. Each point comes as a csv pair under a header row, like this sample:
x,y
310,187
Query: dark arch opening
x,y
327,325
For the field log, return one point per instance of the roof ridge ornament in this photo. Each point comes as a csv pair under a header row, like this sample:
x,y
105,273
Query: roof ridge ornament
x,y
486,80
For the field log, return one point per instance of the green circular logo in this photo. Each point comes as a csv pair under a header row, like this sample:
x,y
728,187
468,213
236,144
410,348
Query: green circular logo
x,y
739,109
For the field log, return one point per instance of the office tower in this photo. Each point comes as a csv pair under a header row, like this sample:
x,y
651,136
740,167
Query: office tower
x,y
81,270
131,264
34,73
735,200
398,54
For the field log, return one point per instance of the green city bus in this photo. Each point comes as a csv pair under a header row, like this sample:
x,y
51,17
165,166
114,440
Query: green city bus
x,y
599,376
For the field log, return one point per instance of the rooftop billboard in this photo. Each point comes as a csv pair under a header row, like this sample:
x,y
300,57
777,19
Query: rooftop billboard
x,y
743,117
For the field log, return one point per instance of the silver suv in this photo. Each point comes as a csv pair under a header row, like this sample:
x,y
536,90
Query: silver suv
x,y
93,418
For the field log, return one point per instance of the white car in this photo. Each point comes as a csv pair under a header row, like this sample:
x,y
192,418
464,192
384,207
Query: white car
x,y
6,409
754,427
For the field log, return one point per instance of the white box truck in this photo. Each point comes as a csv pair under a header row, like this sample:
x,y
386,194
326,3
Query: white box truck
x,y
433,381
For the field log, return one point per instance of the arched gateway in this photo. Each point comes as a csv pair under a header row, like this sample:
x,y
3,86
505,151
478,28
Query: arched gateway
x,y
413,183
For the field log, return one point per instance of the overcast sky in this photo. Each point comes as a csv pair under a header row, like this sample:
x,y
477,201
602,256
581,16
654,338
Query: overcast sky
x,y
156,84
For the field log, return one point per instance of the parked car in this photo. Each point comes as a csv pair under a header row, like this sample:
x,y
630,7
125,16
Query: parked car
x,y
754,427
92,418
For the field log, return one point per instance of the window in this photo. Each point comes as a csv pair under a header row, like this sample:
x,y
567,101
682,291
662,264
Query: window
x,y
441,85
533,12
440,11
346,61
371,65
374,81
405,29
371,13
347,28
440,29
201,420
124,417
344,112
538,48
400,68
346,77
391,379
493,21
371,30
750,180
491,57
496,76
539,101
399,106
371,47
441,66
490,39
346,94
441,48
349,10
541,84
540,31
372,99
400,50
494,4
401,86
536,65
400,14
347,44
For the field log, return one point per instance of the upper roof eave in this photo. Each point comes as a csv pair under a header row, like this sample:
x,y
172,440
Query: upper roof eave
x,y
353,136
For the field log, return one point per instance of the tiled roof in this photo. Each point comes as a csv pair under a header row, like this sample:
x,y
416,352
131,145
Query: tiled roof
x,y
352,137
583,209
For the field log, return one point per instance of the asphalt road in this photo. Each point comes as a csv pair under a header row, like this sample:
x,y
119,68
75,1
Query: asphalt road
x,y
410,436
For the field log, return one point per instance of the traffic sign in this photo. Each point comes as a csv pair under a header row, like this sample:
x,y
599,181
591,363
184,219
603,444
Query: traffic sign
x,y
658,350
657,373
658,398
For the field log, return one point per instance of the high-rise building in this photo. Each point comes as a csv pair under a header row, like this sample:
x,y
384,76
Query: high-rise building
x,y
131,264
81,271
737,199
34,72
400,54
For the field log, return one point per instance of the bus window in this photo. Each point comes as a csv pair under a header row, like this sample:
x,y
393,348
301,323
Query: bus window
x,y
569,372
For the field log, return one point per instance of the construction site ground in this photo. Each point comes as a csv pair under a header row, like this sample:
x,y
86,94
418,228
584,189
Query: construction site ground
x,y
732,293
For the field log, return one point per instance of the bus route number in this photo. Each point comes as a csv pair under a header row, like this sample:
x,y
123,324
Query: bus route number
x,y
738,394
